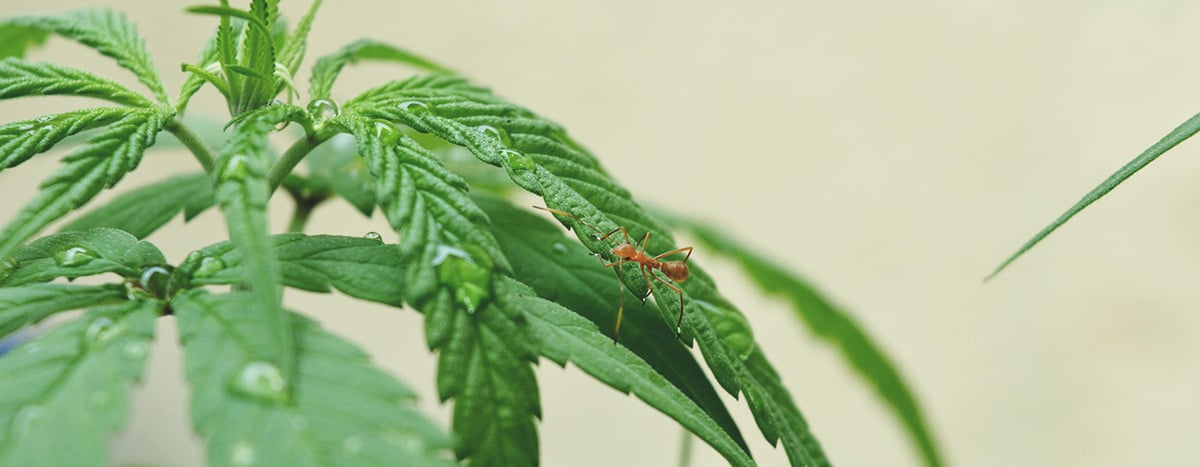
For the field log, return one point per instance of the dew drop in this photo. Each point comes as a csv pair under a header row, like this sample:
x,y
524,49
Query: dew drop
x,y
298,422
26,418
352,445
559,247
234,167
74,255
517,161
134,350
102,330
415,107
323,109
154,280
374,236
193,256
261,380
100,400
208,266
25,127
386,131
495,133
7,267
44,118
242,453
446,251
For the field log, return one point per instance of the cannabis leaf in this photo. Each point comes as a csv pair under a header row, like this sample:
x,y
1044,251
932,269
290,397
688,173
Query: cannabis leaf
x,y
107,31
450,258
337,410
326,71
23,139
826,321
360,267
20,78
1182,132
16,40
86,253
242,190
64,394
143,210
565,274
337,164
31,303
540,158
101,162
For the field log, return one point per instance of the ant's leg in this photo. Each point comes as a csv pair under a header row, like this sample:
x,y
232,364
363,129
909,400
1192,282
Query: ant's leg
x,y
688,249
649,288
613,231
679,322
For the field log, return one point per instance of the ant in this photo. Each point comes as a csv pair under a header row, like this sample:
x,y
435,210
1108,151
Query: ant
x,y
625,252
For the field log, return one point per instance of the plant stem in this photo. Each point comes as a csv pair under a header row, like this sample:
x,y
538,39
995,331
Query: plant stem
x,y
685,449
193,142
291,158
300,216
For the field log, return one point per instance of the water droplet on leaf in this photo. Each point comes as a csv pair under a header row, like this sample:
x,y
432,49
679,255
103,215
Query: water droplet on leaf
x,y
208,266
559,247
44,118
25,127
374,236
499,134
517,161
100,400
134,350
352,444
26,418
234,167
322,110
242,453
74,255
386,132
261,380
299,422
101,330
7,267
469,275
154,280
415,107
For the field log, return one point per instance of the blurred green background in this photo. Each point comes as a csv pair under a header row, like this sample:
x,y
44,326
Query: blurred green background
x,y
894,153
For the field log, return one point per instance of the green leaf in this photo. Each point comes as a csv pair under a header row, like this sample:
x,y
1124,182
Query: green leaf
x,y
143,210
99,163
1182,132
540,158
23,139
830,323
258,56
359,267
32,303
107,31
327,68
16,40
65,393
450,258
338,410
292,51
199,73
225,11
19,78
564,336
566,274
79,254
337,165
241,189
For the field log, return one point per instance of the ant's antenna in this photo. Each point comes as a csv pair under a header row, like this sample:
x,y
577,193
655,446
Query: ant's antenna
x,y
572,216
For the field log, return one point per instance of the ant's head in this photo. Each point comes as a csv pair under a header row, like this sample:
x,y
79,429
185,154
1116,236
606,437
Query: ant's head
x,y
677,271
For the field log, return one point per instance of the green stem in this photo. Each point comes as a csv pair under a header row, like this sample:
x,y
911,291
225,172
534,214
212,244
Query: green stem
x,y
685,449
193,142
291,158
300,216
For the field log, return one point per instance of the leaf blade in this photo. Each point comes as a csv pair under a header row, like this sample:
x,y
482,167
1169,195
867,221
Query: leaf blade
x,y
29,304
342,410
20,78
109,32
1182,132
328,67
145,209
73,384
85,253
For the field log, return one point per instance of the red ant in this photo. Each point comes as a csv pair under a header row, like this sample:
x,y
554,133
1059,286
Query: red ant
x,y
625,252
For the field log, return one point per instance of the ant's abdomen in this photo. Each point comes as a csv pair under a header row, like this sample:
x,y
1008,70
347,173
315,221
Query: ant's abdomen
x,y
677,271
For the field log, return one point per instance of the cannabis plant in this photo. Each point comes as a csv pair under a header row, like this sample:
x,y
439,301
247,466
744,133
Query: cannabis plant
x,y
500,285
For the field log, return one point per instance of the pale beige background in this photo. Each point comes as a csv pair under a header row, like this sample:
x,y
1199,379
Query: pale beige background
x,y
894,152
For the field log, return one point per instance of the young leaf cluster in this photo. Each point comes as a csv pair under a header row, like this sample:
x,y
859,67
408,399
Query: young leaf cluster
x,y
499,287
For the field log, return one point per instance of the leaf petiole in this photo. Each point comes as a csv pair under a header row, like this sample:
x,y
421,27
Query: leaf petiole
x,y
193,142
